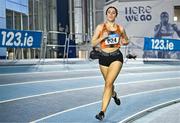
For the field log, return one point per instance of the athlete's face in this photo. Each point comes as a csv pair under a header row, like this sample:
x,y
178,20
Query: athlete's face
x,y
111,14
164,18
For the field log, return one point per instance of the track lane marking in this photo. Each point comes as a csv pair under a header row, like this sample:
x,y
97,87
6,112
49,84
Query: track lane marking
x,y
89,104
76,78
93,69
151,109
84,88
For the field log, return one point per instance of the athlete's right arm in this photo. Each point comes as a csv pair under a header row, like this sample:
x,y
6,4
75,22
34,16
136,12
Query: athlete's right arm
x,y
157,30
96,39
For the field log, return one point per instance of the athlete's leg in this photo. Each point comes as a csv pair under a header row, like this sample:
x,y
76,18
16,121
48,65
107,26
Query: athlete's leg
x,y
104,70
112,73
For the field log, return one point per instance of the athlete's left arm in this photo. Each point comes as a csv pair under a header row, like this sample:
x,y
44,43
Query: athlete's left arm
x,y
124,37
176,29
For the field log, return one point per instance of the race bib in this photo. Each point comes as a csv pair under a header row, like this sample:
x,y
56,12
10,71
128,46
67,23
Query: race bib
x,y
112,39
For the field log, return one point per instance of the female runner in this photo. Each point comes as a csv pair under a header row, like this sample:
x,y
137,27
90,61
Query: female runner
x,y
110,36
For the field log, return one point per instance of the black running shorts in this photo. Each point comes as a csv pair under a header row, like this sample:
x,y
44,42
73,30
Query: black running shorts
x,y
106,59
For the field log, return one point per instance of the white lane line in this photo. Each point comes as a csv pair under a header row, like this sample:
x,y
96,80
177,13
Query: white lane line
x,y
93,69
49,93
42,72
45,81
76,78
44,65
150,109
82,106
84,88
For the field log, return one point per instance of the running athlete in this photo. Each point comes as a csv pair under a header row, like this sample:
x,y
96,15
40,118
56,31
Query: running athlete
x,y
110,36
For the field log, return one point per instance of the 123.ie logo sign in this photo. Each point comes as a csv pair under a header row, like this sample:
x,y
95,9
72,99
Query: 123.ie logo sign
x,y
163,44
19,38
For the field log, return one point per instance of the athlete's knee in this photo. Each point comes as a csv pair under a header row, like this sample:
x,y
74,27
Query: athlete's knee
x,y
109,84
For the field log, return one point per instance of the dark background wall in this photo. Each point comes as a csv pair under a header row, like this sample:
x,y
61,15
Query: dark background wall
x,y
63,26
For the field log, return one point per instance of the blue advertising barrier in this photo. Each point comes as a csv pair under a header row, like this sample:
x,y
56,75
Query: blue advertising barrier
x,y
20,38
163,44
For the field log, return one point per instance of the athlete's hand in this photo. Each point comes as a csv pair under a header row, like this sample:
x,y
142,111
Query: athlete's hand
x,y
160,25
124,41
175,27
